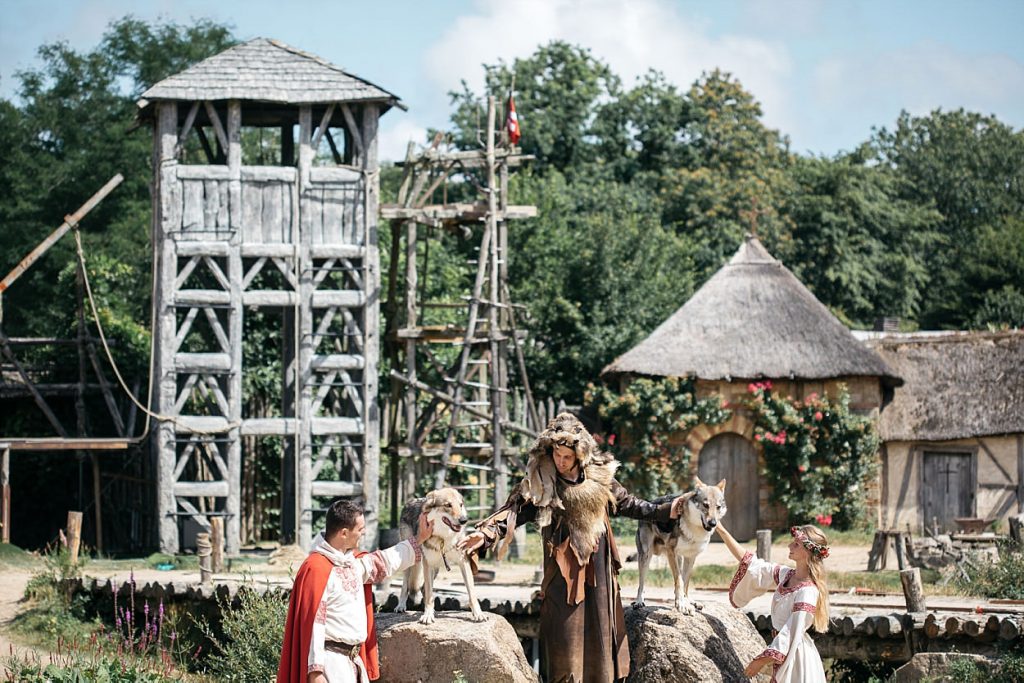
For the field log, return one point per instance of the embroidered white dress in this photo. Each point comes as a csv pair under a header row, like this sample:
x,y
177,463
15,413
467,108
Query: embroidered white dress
x,y
341,616
792,650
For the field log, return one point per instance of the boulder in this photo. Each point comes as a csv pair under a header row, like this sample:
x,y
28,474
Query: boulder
x,y
451,647
934,666
714,644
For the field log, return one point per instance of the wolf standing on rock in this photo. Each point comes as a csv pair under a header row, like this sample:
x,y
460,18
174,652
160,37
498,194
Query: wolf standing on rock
x,y
570,492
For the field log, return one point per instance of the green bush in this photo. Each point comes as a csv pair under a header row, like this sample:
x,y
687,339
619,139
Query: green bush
x,y
54,614
76,666
253,634
1001,579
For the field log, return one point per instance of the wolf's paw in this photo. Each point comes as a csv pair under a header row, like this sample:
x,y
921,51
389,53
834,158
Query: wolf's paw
x,y
400,608
684,606
478,615
428,617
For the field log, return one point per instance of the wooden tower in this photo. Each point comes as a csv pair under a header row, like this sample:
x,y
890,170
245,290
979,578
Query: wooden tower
x,y
241,227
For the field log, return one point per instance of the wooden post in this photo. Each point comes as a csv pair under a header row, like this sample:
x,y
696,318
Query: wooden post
x,y
764,545
204,551
74,535
217,541
371,326
233,504
900,541
913,591
5,502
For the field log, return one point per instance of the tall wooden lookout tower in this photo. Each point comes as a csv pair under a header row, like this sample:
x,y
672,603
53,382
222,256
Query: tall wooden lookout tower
x,y
265,208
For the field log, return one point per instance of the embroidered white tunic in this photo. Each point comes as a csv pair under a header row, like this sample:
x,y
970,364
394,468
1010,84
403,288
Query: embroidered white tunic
x,y
792,650
341,616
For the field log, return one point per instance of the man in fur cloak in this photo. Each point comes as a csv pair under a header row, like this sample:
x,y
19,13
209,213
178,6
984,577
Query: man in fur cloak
x,y
329,636
570,492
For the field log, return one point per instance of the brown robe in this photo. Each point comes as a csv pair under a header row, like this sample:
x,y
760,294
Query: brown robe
x,y
582,625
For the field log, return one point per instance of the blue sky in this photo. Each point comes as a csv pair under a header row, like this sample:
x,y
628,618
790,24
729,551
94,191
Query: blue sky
x,y
825,71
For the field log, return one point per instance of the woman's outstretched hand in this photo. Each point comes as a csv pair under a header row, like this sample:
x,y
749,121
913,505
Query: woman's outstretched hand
x,y
755,666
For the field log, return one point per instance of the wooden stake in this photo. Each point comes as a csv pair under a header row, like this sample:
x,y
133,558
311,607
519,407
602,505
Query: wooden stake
x,y
74,534
204,552
217,540
5,502
913,591
764,545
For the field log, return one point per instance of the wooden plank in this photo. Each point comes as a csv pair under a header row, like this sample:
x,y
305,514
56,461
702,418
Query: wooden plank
x,y
266,174
218,172
223,205
59,444
202,362
201,489
335,203
335,489
354,131
233,504
335,174
201,248
192,205
211,203
202,297
268,250
338,298
252,212
287,218
338,251
273,231
269,426
269,297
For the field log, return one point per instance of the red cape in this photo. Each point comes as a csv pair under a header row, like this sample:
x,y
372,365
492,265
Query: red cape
x,y
310,582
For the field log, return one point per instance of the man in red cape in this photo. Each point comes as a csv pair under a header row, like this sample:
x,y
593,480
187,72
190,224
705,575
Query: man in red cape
x,y
329,635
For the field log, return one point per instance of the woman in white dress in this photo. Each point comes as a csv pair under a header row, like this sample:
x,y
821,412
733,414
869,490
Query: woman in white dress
x,y
799,602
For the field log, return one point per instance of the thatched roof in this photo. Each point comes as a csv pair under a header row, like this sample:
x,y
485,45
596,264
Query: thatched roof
x,y
752,319
957,386
267,71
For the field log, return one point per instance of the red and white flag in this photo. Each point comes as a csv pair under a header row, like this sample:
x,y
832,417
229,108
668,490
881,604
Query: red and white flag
x,y
512,122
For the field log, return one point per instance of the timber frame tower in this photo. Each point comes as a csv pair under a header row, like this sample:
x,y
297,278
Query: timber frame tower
x,y
292,236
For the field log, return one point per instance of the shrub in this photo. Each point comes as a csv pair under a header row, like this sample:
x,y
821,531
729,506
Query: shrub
x,y
76,665
253,634
1001,579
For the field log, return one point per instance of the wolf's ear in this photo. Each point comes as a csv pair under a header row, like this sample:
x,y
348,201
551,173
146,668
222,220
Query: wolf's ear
x,y
721,485
698,482
430,501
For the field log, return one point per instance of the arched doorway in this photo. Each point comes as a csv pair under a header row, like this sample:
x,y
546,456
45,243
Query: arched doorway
x,y
733,458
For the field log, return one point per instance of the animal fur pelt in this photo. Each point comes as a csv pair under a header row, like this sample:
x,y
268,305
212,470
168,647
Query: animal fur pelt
x,y
583,504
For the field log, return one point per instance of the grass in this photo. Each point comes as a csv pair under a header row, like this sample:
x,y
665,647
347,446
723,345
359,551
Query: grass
x,y
14,557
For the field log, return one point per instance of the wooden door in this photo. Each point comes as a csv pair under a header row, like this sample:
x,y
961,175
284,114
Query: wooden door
x,y
733,458
948,489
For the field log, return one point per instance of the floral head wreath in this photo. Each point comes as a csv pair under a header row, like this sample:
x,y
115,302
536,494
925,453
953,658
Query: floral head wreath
x,y
817,549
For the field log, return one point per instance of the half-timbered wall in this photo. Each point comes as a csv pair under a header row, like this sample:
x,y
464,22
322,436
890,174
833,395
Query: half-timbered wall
x,y
980,476
216,229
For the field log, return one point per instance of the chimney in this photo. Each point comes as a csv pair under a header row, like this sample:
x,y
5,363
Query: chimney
x,y
887,324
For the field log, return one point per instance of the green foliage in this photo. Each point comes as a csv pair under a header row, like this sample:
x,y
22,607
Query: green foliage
x,y
970,168
1008,667
856,243
648,423
253,634
78,666
860,671
1003,578
818,454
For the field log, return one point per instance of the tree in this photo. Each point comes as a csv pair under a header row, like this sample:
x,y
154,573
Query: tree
x,y
970,168
856,243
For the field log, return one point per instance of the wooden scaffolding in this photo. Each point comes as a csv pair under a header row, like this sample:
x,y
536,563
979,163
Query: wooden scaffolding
x,y
462,431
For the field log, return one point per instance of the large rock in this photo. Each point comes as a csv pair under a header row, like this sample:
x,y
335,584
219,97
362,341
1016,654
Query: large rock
x,y
714,644
454,644
934,666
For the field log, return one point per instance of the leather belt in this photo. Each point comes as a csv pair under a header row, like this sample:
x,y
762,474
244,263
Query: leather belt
x,y
350,651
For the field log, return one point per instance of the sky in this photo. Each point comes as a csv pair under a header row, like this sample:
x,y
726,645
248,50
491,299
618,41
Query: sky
x,y
825,71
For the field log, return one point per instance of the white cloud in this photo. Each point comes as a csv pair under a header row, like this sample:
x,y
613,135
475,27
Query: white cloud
x,y
921,78
397,130
632,37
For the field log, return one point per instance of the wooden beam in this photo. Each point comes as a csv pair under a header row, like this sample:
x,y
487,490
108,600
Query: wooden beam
x,y
353,129
218,127
186,128
322,128
58,444
40,401
5,494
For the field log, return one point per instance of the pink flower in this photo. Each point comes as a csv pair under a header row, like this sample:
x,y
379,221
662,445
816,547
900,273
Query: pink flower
x,y
757,437
751,387
818,415
767,384
813,397
725,403
824,520
611,439
801,468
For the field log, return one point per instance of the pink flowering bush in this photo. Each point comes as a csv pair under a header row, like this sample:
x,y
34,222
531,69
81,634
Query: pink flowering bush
x,y
646,427
819,456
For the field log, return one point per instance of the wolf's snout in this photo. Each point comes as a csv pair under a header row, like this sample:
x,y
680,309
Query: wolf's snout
x,y
463,519
712,523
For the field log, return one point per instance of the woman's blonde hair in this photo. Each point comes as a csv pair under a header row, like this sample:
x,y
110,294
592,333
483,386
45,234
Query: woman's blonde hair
x,y
817,569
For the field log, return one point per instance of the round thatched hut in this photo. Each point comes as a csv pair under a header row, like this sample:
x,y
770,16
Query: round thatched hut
x,y
754,320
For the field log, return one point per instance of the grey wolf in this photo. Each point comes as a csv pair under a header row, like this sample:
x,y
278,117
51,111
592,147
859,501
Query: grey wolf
x,y
446,509
681,539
